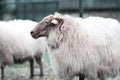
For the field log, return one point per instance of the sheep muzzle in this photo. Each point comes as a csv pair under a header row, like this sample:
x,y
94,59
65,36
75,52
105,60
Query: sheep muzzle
x,y
36,34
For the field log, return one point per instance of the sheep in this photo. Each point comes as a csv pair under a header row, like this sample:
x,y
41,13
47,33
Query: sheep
x,y
17,45
88,46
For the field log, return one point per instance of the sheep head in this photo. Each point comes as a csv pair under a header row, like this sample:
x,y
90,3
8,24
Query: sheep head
x,y
45,25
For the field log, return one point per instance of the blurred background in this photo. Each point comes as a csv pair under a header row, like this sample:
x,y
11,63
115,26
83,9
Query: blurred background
x,y
36,9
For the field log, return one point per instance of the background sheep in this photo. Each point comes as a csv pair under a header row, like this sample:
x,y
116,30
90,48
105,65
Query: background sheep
x,y
89,46
17,45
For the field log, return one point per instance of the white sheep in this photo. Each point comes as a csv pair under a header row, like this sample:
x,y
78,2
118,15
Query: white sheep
x,y
89,46
17,45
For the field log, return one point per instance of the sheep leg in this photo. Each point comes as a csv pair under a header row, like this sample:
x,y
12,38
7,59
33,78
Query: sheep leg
x,y
2,71
31,68
101,75
81,76
39,61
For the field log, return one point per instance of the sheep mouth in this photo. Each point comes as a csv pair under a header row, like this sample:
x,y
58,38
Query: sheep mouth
x,y
35,36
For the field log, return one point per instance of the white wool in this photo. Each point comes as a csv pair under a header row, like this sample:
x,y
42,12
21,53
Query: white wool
x,y
16,41
88,46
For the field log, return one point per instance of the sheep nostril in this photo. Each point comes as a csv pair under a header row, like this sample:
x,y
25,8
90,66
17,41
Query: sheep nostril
x,y
31,32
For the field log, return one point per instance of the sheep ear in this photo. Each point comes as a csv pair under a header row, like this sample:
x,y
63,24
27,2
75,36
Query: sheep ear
x,y
57,21
54,21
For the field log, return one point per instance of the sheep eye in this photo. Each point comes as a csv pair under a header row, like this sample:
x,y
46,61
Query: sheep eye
x,y
46,22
